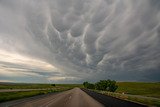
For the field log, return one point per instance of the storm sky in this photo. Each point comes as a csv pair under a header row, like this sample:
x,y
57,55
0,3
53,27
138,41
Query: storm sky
x,y
71,41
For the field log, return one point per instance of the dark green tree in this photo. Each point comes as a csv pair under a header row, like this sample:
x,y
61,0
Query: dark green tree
x,y
104,85
53,84
88,85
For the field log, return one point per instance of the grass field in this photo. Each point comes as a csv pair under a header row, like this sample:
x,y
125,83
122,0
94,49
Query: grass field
x,y
24,86
139,88
150,101
141,92
7,96
35,86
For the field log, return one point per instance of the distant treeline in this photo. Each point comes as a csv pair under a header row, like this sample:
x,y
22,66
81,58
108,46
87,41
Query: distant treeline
x,y
104,85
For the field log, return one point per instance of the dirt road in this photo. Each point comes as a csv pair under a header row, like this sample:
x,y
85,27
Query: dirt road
x,y
72,98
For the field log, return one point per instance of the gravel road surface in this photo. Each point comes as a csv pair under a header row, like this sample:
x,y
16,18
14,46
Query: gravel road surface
x,y
71,98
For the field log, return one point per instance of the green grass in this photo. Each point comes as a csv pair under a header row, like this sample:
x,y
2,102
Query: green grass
x,y
36,86
7,96
141,92
139,88
25,86
147,101
134,98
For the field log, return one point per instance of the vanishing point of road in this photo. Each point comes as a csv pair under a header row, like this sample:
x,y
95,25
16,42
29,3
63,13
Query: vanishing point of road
x,y
71,98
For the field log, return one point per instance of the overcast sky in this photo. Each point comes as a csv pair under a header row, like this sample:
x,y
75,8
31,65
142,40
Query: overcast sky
x,y
71,41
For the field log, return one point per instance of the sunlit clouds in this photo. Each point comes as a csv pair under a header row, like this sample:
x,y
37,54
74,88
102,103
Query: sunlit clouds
x,y
22,60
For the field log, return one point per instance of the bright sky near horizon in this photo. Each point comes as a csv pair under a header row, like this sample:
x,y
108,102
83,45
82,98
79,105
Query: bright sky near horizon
x,y
71,41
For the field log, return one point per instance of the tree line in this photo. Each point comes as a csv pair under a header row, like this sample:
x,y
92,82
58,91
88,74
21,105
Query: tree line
x,y
104,85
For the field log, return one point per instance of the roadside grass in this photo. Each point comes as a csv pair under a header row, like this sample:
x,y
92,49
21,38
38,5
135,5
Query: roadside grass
x,y
139,92
139,88
150,101
24,86
7,96
36,86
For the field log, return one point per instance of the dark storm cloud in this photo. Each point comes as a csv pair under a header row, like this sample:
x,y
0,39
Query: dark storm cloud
x,y
84,38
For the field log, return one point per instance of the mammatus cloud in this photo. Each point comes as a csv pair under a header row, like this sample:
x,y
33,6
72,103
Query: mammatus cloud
x,y
75,40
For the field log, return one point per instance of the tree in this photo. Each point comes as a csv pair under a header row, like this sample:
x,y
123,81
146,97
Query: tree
x,y
53,85
104,85
112,86
85,84
88,85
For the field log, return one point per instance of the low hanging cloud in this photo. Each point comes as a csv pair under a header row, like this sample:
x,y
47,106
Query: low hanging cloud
x,y
75,40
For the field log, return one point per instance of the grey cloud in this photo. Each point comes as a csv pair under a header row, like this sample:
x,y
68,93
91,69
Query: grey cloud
x,y
110,39
77,29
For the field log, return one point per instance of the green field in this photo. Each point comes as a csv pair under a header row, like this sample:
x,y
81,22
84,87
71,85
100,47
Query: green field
x,y
35,86
139,88
24,86
6,96
140,92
